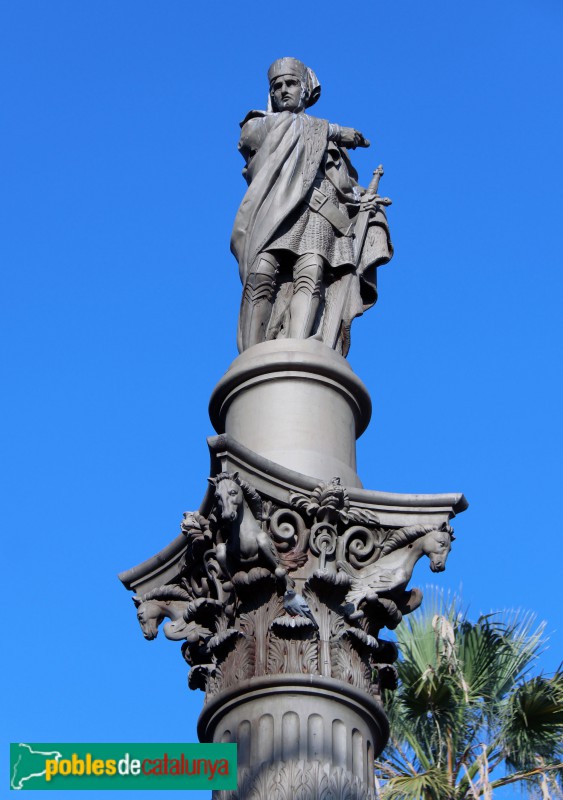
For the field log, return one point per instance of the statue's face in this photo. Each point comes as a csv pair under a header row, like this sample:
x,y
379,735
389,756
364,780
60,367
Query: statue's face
x,y
286,93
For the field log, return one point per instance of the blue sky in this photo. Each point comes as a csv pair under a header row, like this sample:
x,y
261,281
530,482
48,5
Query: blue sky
x,y
120,181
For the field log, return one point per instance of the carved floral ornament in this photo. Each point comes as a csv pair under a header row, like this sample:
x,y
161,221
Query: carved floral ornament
x,y
301,588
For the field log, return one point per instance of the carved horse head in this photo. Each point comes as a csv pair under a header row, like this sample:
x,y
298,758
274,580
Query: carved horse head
x,y
165,601
437,545
232,493
228,494
150,614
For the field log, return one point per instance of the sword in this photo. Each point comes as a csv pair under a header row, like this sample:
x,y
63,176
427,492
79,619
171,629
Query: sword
x,y
368,204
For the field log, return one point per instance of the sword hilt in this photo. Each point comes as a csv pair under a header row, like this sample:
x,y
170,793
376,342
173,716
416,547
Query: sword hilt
x,y
374,183
370,197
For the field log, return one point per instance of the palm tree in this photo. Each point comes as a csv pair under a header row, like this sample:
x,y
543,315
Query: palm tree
x,y
467,707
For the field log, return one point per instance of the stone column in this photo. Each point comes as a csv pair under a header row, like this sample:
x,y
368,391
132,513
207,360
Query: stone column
x,y
282,581
305,732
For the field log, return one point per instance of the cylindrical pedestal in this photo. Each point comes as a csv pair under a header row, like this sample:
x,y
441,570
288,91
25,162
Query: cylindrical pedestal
x,y
320,733
297,403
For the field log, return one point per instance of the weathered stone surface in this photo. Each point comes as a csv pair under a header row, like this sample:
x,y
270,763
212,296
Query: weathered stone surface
x,y
280,589
281,584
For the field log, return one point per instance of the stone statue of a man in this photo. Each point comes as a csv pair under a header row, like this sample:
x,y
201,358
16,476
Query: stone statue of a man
x,y
303,271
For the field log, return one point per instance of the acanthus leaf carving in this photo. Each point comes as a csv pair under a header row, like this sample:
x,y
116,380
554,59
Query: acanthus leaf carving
x,y
276,656
295,624
237,666
297,780
365,639
222,640
349,666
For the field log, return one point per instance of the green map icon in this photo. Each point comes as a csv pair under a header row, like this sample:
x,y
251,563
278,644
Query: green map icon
x,y
28,765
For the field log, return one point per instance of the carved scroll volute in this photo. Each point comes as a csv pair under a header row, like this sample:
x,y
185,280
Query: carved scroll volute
x,y
359,546
290,536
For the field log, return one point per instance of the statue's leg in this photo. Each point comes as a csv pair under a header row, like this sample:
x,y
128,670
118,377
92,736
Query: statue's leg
x,y
257,300
307,278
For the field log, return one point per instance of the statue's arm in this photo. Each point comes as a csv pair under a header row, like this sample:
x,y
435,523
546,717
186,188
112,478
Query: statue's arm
x,y
346,137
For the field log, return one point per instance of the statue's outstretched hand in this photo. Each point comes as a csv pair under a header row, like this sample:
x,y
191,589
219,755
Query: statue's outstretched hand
x,y
350,137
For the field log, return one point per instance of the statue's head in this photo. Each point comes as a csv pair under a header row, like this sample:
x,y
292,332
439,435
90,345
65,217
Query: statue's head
x,y
293,86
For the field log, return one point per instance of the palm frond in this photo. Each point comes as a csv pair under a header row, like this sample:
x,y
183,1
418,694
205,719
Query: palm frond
x,y
428,785
519,645
532,722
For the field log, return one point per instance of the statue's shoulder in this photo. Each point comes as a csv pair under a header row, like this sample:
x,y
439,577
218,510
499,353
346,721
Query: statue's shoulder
x,y
255,127
256,114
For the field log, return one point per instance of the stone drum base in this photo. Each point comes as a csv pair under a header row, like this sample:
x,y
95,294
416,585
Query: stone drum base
x,y
297,403
304,733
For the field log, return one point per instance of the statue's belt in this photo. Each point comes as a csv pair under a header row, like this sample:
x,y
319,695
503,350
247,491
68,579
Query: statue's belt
x,y
319,202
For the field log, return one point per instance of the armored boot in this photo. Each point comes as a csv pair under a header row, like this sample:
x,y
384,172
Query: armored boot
x,y
307,277
257,300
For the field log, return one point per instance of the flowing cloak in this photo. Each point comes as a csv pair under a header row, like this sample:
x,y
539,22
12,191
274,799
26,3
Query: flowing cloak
x,y
287,154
